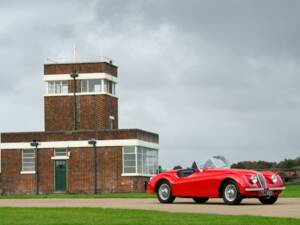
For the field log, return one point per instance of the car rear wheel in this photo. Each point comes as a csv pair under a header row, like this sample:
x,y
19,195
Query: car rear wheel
x,y
164,192
200,200
268,200
231,193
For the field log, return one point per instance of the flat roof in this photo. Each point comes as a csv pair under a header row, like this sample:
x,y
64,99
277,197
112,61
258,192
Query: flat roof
x,y
78,60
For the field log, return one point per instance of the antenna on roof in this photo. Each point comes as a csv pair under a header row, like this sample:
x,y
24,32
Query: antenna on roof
x,y
74,52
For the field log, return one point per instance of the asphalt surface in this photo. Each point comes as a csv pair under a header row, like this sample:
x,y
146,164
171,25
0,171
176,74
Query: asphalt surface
x,y
284,207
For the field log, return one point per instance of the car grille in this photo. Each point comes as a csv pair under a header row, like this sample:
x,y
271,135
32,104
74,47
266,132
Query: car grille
x,y
262,180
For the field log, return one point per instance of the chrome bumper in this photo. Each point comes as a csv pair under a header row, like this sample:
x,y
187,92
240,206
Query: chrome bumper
x,y
270,189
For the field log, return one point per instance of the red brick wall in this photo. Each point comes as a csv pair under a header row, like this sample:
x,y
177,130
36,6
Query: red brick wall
x,y
94,112
12,181
79,169
101,67
59,113
80,135
46,170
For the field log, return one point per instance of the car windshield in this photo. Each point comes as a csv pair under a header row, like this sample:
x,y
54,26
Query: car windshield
x,y
215,163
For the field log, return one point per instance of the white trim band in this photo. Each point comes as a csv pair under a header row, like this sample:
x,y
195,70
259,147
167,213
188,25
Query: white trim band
x,y
80,144
81,76
254,189
137,175
60,157
27,172
80,93
276,188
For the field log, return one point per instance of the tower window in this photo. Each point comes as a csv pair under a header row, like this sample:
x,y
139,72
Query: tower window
x,y
57,87
97,86
111,122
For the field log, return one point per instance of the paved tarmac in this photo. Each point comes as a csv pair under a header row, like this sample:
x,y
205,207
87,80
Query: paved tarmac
x,y
285,207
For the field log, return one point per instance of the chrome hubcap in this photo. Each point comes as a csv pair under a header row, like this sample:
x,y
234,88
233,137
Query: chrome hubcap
x,y
164,191
230,192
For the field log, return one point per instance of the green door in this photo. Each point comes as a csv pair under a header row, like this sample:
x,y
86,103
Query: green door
x,y
60,175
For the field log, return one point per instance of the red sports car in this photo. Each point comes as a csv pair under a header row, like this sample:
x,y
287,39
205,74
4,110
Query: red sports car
x,y
215,180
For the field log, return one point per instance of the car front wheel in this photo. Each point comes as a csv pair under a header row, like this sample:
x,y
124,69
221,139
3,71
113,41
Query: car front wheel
x,y
164,192
268,200
230,193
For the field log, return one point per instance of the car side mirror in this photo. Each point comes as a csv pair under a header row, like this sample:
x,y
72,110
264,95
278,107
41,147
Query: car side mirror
x,y
201,170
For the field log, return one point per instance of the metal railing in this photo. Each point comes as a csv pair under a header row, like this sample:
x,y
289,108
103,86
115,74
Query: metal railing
x,y
53,60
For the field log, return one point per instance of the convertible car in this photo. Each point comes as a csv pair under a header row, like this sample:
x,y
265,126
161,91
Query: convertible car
x,y
216,180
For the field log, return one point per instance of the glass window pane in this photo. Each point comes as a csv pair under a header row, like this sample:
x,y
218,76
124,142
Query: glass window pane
x,y
129,156
147,160
51,87
109,87
60,152
140,163
129,163
58,87
129,159
84,84
64,86
97,86
129,149
94,85
129,170
105,86
28,160
113,88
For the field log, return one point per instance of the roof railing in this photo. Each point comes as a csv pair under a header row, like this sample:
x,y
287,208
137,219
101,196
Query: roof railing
x,y
52,60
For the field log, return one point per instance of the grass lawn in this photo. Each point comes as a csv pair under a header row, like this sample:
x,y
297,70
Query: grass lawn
x,y
84,216
292,191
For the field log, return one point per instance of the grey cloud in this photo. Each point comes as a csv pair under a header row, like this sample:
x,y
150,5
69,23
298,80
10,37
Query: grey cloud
x,y
211,77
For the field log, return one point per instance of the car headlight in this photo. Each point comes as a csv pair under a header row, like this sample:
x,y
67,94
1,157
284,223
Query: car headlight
x,y
254,179
151,178
274,178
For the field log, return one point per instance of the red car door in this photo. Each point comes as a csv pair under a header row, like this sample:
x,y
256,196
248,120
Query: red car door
x,y
207,183
186,186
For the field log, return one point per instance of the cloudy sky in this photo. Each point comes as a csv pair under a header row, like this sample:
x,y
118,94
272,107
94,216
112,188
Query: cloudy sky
x,y
211,77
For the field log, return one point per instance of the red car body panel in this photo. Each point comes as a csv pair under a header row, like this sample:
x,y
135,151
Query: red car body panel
x,y
208,183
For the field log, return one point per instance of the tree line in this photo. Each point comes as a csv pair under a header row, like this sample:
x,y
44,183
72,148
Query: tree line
x,y
292,164
289,164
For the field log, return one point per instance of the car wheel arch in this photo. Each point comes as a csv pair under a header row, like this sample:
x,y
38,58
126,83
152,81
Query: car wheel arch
x,y
159,182
222,184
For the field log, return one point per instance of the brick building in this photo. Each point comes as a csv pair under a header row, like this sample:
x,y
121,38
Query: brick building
x,y
82,150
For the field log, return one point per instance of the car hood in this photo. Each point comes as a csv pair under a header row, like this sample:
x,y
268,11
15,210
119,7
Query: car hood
x,y
237,171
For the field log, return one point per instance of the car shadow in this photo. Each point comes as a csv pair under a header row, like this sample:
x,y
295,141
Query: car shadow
x,y
222,203
215,203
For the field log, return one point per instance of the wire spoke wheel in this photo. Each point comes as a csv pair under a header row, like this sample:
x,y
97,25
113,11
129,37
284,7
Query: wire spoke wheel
x,y
230,192
164,191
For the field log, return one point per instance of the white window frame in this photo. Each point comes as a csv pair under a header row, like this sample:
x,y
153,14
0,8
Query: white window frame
x,y
104,87
123,160
111,122
60,149
56,83
60,157
136,163
28,171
